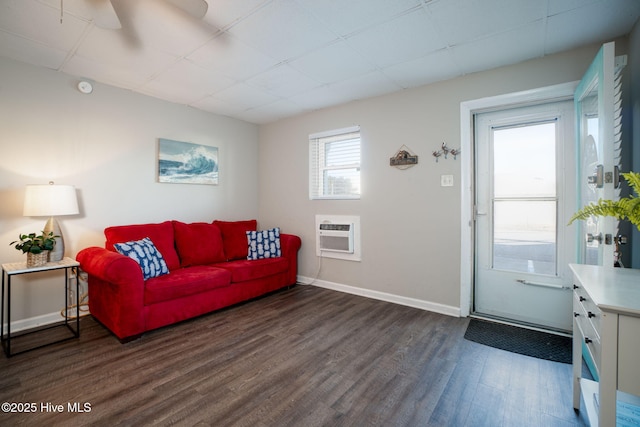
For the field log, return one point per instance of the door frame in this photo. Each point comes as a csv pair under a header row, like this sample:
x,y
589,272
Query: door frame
x,y
468,109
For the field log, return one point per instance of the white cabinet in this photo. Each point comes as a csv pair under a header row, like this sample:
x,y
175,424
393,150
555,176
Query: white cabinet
x,y
606,310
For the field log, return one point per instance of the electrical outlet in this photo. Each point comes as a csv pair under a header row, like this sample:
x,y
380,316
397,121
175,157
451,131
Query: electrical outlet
x,y
446,180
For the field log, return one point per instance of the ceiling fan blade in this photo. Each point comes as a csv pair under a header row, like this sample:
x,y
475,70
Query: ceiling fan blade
x,y
104,15
195,8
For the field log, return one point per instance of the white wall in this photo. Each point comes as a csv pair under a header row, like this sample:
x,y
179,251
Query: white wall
x,y
105,144
410,224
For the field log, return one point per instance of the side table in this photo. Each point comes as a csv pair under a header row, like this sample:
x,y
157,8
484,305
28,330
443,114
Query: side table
x,y
12,269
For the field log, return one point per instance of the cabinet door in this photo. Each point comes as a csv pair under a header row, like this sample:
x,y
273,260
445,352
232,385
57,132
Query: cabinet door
x,y
628,352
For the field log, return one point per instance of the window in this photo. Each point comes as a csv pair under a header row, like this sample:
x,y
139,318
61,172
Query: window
x,y
334,164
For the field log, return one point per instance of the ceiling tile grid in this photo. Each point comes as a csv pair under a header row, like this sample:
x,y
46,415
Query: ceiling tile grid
x,y
263,60
406,37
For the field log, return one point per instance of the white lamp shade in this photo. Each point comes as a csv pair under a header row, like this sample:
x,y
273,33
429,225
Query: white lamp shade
x,y
50,200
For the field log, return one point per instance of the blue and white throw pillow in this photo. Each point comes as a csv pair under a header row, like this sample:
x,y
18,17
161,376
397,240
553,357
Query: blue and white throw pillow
x,y
144,252
264,244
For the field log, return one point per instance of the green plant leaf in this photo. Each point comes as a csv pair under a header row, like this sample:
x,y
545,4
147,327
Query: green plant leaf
x,y
35,243
627,208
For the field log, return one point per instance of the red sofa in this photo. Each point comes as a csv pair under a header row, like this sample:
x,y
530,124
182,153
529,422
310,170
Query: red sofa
x,y
208,270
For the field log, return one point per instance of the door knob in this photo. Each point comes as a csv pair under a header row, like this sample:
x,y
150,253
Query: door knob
x,y
597,179
591,238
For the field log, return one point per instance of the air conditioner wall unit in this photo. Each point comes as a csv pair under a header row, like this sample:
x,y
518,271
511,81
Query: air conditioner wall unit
x,y
338,236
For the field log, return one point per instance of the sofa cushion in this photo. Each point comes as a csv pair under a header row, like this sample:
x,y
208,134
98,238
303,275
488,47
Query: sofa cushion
x,y
160,234
234,237
146,255
264,244
243,270
198,243
184,282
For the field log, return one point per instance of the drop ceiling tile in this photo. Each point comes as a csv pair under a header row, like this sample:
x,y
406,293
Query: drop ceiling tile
x,y
31,52
185,83
244,97
368,85
408,37
501,49
40,23
436,66
320,97
282,30
225,13
332,63
461,21
231,57
271,112
346,17
567,30
217,106
82,9
115,48
282,81
560,6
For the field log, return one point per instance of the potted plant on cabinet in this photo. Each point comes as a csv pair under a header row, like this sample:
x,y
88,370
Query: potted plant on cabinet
x,y
36,246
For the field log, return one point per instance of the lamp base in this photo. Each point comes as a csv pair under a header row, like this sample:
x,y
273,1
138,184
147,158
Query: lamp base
x,y
57,253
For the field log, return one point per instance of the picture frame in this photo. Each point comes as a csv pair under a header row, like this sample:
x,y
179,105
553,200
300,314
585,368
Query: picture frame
x,y
187,163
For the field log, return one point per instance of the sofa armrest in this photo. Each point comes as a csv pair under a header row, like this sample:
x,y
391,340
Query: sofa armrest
x,y
116,290
110,266
289,246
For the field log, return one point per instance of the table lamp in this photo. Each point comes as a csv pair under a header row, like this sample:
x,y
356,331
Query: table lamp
x,y
51,200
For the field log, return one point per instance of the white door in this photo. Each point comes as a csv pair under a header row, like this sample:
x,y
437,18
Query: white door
x,y
525,194
597,104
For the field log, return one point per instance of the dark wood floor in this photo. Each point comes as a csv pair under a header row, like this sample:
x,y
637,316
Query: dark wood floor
x,y
302,357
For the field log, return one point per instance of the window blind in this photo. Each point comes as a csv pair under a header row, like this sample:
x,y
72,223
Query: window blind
x,y
334,164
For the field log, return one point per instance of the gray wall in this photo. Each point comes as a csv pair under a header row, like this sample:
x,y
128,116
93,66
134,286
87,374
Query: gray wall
x,y
105,144
410,224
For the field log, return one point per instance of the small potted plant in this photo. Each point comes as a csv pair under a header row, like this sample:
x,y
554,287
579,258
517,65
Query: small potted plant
x,y
627,208
36,246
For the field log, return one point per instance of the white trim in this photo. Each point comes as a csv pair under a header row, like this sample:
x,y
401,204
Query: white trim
x,y
382,296
34,322
334,132
467,110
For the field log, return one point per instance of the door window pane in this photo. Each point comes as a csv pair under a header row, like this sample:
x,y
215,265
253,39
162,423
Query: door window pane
x,y
524,161
524,198
524,236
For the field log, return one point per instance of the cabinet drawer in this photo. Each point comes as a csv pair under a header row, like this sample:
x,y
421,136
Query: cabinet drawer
x,y
587,333
590,309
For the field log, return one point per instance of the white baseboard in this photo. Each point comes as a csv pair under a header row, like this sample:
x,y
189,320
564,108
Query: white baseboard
x,y
47,319
382,296
34,322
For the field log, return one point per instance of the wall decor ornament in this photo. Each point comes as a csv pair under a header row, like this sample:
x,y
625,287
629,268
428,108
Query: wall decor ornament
x,y
187,163
404,158
445,151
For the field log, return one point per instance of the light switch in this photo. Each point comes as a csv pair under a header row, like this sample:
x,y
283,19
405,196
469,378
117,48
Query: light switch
x,y
446,180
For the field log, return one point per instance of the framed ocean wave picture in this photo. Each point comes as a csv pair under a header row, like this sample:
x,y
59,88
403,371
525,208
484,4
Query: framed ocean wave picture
x,y
187,163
